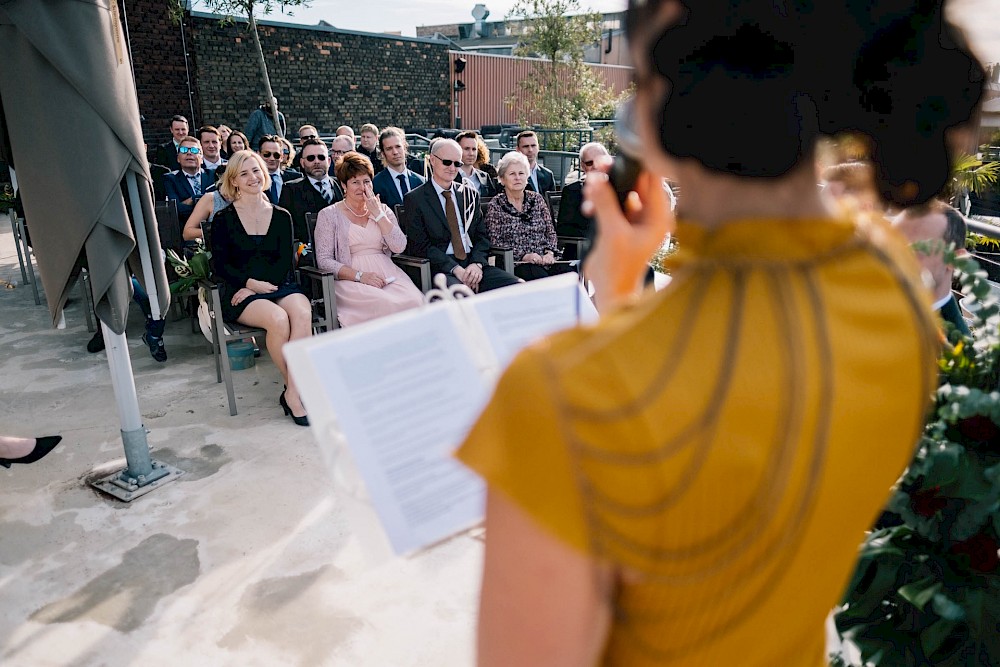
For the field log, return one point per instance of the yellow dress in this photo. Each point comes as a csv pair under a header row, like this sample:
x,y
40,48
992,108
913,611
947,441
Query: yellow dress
x,y
727,441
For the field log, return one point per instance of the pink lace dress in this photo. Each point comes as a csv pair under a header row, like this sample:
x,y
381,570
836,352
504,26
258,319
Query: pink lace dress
x,y
357,302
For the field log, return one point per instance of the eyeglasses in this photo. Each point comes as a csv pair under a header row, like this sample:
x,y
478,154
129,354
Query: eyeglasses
x,y
284,152
315,158
194,150
449,163
307,137
269,154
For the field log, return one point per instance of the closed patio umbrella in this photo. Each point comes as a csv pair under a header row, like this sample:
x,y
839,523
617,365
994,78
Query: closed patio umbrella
x,y
73,134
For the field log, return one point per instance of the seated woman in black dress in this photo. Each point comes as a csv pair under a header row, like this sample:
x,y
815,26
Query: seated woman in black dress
x,y
251,244
519,219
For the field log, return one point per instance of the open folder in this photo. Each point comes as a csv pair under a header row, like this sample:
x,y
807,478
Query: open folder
x,y
402,392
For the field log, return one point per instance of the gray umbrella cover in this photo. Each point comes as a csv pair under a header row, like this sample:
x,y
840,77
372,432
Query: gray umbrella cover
x,y
72,115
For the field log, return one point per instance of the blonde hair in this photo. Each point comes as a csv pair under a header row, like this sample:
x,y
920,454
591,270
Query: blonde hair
x,y
228,187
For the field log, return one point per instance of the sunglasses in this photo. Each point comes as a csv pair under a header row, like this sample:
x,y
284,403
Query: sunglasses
x,y
194,150
315,158
268,154
307,137
449,163
285,152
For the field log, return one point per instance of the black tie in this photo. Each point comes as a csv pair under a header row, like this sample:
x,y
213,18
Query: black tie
x,y
402,184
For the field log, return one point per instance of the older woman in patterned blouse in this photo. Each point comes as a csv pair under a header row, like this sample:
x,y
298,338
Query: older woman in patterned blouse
x,y
520,220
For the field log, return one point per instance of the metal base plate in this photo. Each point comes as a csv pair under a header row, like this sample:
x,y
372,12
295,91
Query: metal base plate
x,y
112,484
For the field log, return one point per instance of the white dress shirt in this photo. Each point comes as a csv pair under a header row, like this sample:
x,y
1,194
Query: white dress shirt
x,y
456,200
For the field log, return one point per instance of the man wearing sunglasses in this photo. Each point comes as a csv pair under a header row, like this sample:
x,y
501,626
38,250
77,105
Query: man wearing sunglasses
x,y
306,132
271,151
312,193
190,182
571,221
444,223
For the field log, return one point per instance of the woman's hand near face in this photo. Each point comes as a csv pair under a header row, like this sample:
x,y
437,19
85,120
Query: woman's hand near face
x,y
626,240
260,286
373,200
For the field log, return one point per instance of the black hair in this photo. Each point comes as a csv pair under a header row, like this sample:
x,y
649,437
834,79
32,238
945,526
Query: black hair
x,y
957,229
753,83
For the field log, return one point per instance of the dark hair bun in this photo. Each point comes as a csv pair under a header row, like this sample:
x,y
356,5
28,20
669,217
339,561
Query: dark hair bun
x,y
753,83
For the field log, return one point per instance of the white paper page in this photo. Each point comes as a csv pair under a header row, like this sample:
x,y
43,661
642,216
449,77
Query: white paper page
x,y
403,391
516,316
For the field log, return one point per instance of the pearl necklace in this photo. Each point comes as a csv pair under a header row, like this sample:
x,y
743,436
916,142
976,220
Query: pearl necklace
x,y
364,214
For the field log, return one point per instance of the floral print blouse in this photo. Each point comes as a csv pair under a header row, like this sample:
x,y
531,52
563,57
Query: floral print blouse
x,y
525,231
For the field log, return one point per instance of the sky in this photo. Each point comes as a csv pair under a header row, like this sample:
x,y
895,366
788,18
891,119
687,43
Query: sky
x,y
980,18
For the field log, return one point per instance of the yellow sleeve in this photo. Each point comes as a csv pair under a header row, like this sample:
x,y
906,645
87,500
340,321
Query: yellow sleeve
x,y
518,447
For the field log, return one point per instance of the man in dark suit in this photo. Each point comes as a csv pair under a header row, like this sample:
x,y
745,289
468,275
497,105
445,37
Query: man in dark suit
x,y
468,174
166,154
368,145
270,150
540,179
190,182
394,182
444,223
314,191
571,220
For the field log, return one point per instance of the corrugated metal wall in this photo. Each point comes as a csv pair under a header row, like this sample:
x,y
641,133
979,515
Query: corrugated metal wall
x,y
490,80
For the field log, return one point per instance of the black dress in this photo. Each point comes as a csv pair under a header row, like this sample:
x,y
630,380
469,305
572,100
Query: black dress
x,y
238,256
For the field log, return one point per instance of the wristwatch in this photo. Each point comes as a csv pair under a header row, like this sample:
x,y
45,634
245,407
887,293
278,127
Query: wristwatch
x,y
357,277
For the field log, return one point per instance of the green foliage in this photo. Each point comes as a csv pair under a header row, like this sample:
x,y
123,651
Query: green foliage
x,y
190,271
927,586
6,197
970,174
659,260
562,91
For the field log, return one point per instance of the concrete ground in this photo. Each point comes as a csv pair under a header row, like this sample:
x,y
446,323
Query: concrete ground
x,y
247,559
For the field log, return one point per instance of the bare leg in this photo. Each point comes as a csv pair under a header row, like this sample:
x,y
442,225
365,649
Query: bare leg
x,y
300,322
273,318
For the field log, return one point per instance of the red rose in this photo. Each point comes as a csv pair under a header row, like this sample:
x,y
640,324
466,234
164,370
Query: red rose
x,y
981,550
979,428
927,502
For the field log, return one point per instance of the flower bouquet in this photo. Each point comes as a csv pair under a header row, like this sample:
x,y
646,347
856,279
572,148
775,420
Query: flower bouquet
x,y
190,271
927,586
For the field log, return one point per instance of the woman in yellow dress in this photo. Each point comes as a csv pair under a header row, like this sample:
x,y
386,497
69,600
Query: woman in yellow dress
x,y
686,483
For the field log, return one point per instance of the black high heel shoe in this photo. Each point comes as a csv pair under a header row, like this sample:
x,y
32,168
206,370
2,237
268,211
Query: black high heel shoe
x,y
301,421
42,447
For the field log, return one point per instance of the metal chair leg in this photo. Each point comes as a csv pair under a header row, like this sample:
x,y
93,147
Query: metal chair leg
x,y
31,277
17,243
87,298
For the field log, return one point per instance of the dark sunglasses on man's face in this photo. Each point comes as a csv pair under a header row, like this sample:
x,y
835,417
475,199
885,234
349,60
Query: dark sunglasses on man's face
x,y
307,137
269,154
194,150
315,158
448,163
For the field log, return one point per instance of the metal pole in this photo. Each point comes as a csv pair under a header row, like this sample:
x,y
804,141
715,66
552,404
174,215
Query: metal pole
x,y
139,222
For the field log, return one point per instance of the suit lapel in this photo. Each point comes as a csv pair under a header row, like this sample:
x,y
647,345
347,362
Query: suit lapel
x,y
436,204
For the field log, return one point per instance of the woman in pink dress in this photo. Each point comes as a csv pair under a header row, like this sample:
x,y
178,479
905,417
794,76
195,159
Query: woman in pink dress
x,y
355,239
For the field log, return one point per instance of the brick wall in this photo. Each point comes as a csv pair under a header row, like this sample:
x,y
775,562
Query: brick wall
x,y
321,76
158,60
